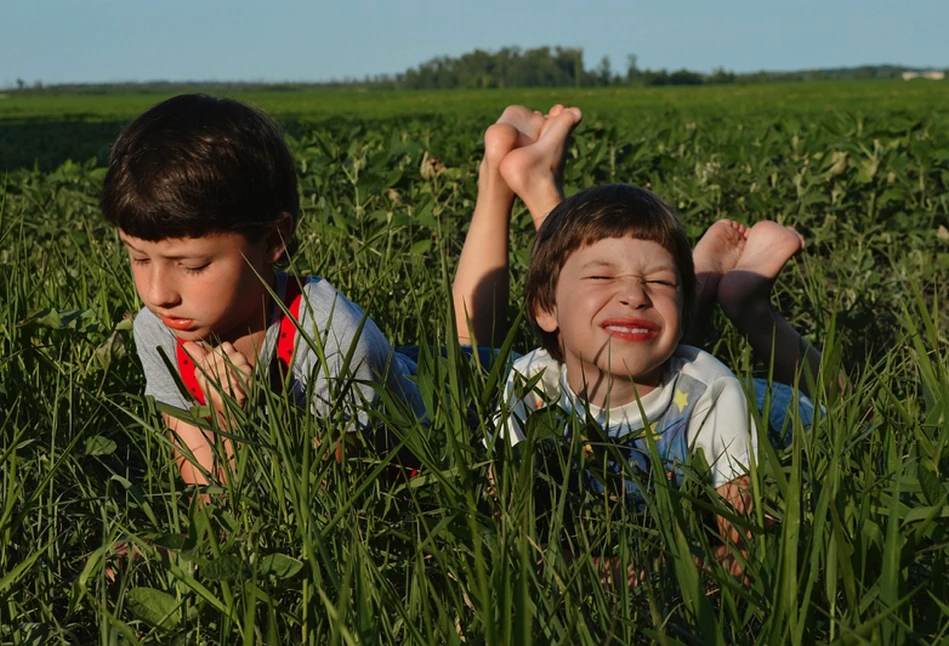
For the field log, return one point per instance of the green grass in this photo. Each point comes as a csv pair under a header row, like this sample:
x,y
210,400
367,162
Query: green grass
x,y
851,525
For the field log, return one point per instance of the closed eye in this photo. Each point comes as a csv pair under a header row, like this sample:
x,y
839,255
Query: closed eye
x,y
197,270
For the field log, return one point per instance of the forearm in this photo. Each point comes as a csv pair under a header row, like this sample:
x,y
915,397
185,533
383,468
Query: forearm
x,y
481,287
734,551
194,451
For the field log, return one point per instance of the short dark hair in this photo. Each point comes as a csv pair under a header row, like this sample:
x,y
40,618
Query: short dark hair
x,y
195,165
608,211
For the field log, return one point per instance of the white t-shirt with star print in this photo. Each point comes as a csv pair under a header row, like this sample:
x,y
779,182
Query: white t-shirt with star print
x,y
698,394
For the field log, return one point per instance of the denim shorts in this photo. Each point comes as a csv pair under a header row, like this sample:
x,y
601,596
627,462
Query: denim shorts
x,y
486,355
784,405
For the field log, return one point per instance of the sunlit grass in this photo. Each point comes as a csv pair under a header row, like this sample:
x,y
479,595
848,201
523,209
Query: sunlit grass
x,y
851,519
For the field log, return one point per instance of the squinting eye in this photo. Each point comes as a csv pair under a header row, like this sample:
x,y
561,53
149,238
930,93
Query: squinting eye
x,y
599,277
663,283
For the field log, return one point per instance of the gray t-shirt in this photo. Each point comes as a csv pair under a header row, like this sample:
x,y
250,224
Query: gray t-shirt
x,y
330,321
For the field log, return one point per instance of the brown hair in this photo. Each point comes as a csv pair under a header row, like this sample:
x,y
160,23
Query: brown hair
x,y
195,165
609,211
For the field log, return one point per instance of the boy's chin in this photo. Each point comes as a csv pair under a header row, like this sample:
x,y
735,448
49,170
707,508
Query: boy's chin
x,y
189,335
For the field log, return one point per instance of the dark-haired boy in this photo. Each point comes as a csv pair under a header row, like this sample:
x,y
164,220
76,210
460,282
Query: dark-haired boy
x,y
204,193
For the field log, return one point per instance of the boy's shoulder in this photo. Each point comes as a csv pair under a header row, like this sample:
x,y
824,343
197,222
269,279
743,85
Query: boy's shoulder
x,y
535,361
545,373
324,302
329,314
698,364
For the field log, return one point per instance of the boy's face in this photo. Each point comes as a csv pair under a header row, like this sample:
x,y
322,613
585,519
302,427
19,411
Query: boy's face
x,y
618,315
212,286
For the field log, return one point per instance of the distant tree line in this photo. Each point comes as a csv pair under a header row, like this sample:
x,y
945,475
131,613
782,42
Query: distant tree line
x,y
539,67
563,67
509,67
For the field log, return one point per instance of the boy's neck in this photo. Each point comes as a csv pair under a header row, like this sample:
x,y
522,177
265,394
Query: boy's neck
x,y
250,340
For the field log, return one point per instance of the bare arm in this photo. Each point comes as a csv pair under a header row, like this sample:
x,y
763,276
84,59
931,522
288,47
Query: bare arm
x,y
199,445
222,373
524,153
481,287
737,496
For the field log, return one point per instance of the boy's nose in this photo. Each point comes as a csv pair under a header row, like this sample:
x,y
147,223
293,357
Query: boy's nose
x,y
162,291
634,294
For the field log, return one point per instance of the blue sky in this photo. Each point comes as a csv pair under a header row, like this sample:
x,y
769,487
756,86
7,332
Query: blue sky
x,y
65,41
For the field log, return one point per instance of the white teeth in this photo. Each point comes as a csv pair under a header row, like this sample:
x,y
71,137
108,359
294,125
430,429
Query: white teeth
x,y
627,330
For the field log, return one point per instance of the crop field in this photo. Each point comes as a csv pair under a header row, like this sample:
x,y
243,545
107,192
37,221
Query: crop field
x,y
101,543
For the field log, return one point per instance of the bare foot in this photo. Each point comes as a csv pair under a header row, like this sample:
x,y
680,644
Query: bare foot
x,y
499,140
535,172
515,128
716,254
745,292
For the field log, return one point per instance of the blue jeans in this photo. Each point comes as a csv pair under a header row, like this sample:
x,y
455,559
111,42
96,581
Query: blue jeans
x,y
485,355
785,402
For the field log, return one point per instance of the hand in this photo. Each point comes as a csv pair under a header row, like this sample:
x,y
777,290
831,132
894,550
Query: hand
x,y
221,372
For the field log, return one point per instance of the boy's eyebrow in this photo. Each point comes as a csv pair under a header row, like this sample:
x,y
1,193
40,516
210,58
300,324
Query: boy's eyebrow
x,y
608,264
182,256
598,263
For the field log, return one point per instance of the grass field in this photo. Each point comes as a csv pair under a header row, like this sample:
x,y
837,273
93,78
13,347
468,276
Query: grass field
x,y
299,549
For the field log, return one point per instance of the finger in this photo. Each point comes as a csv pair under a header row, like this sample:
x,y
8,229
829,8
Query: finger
x,y
214,366
227,349
231,358
220,373
225,366
195,349
226,354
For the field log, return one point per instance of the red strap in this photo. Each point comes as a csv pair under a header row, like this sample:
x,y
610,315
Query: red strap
x,y
186,370
285,341
288,324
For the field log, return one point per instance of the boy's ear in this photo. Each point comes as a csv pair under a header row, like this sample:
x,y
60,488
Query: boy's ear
x,y
547,320
280,236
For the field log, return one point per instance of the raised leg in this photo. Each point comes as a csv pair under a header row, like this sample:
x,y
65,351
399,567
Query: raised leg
x,y
716,254
745,296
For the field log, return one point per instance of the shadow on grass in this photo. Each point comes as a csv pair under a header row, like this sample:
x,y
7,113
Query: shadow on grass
x,y
47,143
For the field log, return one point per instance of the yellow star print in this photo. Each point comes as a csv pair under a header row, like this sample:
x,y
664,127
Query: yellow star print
x,y
652,432
681,400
